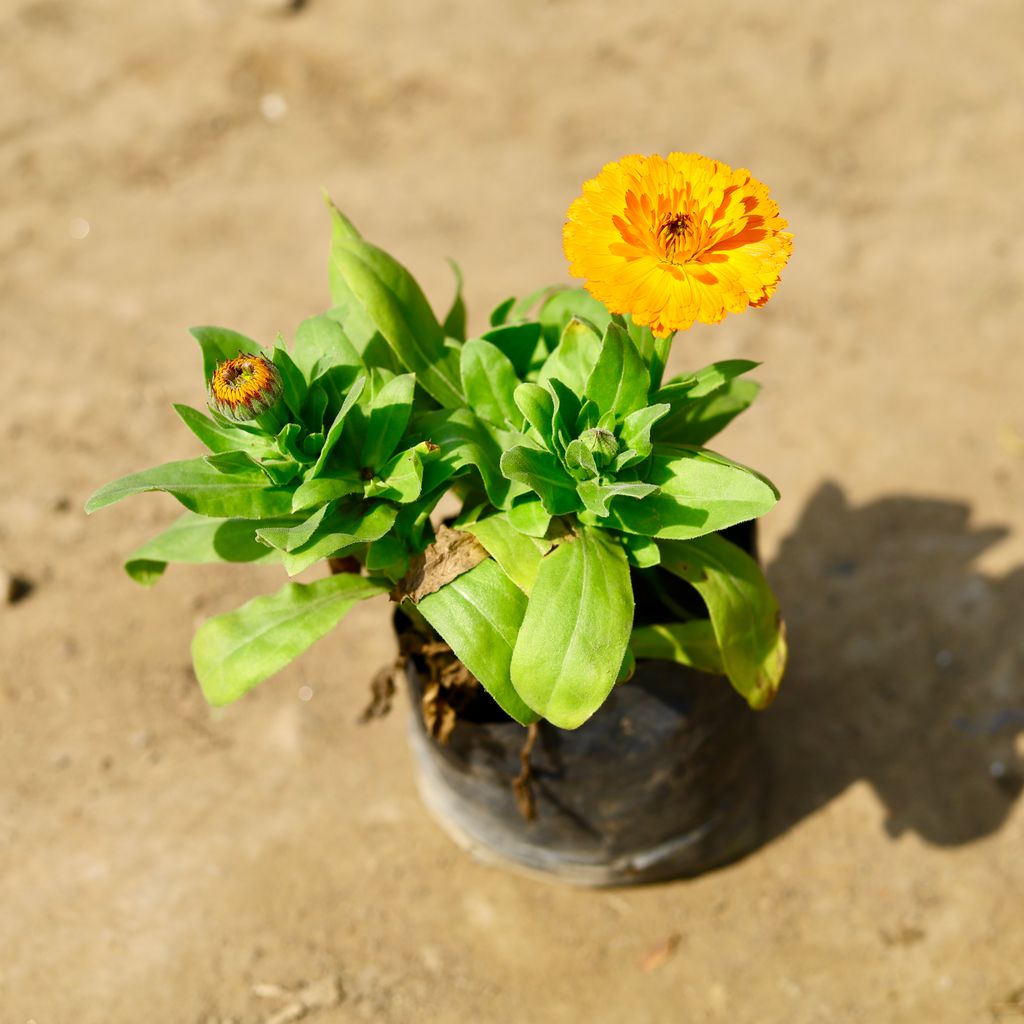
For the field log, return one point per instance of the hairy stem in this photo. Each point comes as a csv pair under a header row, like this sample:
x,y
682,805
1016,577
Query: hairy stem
x,y
658,360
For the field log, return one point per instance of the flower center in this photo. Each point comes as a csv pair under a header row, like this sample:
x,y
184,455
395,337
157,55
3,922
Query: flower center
x,y
237,373
671,232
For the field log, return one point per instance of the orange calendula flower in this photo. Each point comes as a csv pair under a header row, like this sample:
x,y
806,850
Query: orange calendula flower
x,y
677,239
245,387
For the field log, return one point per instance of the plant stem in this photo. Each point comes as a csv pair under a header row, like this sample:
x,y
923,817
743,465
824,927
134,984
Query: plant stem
x,y
658,360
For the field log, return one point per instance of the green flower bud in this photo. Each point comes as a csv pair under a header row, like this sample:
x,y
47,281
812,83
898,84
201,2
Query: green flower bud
x,y
245,387
602,444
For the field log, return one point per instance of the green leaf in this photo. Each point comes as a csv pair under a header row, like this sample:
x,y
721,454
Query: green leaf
x,y
519,342
387,557
543,473
567,303
322,489
537,404
478,615
500,312
389,416
288,538
743,611
321,344
454,325
347,524
401,479
334,434
589,416
316,405
704,381
522,308
529,516
231,462
642,337
574,358
518,554
221,438
294,384
201,488
194,540
313,445
690,643
596,495
288,443
566,413
643,552
574,635
394,302
342,229
620,380
696,421
701,492
220,343
636,430
464,440
489,381
579,460
233,652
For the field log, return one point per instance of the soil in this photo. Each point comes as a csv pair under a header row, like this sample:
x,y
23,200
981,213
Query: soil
x,y
160,165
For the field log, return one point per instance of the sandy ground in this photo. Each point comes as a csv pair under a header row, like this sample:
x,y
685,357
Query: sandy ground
x,y
160,165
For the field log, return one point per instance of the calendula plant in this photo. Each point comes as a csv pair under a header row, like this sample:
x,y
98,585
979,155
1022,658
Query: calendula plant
x,y
579,472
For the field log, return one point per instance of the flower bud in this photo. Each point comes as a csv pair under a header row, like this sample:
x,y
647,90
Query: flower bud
x,y
601,443
245,387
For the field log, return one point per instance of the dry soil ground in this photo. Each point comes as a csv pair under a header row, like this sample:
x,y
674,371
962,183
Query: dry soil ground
x,y
160,165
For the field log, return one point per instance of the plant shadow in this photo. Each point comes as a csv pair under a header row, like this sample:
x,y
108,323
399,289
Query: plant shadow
x,y
906,668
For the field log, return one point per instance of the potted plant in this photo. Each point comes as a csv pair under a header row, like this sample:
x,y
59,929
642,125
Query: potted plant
x,y
571,631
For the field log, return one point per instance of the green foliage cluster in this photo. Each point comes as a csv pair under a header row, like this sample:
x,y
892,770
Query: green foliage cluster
x,y
575,466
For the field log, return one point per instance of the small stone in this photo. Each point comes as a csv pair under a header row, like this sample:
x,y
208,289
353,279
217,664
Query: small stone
x,y
13,588
273,106
264,990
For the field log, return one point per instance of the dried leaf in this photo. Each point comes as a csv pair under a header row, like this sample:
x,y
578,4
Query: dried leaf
x,y
382,692
657,956
438,714
451,554
347,563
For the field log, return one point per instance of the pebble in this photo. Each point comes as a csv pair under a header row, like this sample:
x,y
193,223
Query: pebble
x,y
12,588
273,106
